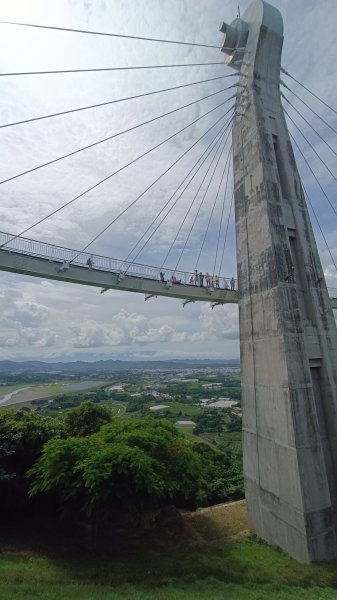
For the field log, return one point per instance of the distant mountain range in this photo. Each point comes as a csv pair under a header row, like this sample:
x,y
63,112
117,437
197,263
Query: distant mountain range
x,y
103,366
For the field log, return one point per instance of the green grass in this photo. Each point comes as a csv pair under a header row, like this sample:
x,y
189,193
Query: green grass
x,y
186,429
237,570
138,565
200,590
232,436
117,408
187,409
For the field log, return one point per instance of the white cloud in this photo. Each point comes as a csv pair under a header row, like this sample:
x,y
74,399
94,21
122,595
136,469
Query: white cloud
x,y
220,323
127,329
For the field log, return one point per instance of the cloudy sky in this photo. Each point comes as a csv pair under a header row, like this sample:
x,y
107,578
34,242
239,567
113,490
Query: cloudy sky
x,y
50,320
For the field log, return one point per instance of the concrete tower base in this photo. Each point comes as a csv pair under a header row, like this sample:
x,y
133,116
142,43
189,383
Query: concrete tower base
x,y
287,330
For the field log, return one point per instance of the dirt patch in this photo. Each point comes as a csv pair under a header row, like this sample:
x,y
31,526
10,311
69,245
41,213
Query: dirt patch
x,y
27,396
221,521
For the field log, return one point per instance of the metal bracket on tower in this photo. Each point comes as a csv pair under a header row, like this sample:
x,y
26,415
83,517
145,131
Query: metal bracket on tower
x,y
120,277
235,41
187,302
64,267
214,304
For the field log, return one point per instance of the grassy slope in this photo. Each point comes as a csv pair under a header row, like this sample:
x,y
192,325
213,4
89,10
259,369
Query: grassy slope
x,y
189,410
217,567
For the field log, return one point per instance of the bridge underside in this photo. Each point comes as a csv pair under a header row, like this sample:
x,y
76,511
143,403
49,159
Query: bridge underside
x,y
24,264
60,271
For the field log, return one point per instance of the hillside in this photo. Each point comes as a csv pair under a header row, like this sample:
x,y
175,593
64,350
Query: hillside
x,y
103,366
209,555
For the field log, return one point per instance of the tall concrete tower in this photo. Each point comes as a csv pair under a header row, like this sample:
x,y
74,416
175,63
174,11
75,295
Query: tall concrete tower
x,y
287,329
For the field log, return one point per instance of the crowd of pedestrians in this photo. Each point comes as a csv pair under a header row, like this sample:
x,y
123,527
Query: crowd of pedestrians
x,y
197,278
211,281
204,280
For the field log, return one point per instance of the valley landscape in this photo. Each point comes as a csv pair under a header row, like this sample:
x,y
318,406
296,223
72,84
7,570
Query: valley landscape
x,y
151,546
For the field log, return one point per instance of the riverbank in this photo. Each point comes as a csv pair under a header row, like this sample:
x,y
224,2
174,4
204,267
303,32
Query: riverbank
x,y
21,395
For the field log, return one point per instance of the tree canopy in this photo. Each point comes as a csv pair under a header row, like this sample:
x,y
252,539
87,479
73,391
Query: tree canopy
x,y
131,464
87,418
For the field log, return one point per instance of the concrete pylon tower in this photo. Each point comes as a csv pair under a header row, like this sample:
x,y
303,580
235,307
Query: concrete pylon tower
x,y
287,329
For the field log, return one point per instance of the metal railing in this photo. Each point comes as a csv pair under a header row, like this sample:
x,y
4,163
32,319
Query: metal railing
x,y
67,257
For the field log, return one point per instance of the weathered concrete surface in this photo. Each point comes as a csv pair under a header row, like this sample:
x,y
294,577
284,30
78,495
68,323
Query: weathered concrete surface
x,y
287,330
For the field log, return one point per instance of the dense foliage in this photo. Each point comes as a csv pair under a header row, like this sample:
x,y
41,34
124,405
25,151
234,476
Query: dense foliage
x,y
22,436
138,403
222,474
89,461
130,464
209,421
87,418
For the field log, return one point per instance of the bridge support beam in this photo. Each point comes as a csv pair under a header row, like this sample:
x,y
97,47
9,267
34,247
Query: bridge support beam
x,y
287,329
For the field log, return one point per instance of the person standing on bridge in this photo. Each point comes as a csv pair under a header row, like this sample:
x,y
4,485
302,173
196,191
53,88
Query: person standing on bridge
x,y
201,279
233,284
90,262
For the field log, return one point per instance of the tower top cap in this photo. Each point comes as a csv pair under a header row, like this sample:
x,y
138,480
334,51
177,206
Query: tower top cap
x,y
259,13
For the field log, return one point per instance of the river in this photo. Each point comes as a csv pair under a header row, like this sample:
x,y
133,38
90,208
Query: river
x,y
8,396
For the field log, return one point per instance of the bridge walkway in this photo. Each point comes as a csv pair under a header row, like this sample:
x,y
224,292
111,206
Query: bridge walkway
x,y
48,261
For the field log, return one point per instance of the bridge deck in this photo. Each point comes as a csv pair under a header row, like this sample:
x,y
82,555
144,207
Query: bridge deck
x,y
47,261
38,259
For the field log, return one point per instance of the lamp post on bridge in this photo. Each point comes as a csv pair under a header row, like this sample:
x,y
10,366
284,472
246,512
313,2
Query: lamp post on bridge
x,y
288,333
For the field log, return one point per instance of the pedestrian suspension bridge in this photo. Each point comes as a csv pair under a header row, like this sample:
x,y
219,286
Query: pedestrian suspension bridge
x,y
203,195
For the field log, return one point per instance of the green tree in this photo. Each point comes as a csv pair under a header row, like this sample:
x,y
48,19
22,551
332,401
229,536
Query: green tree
x,y
139,404
22,436
87,418
209,421
235,423
9,437
134,464
222,474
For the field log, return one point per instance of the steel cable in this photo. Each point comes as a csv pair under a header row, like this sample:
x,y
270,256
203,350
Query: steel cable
x,y
307,89
313,174
310,145
202,200
308,123
143,193
102,33
208,151
117,171
226,234
309,107
213,208
110,137
318,223
110,102
221,219
103,69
